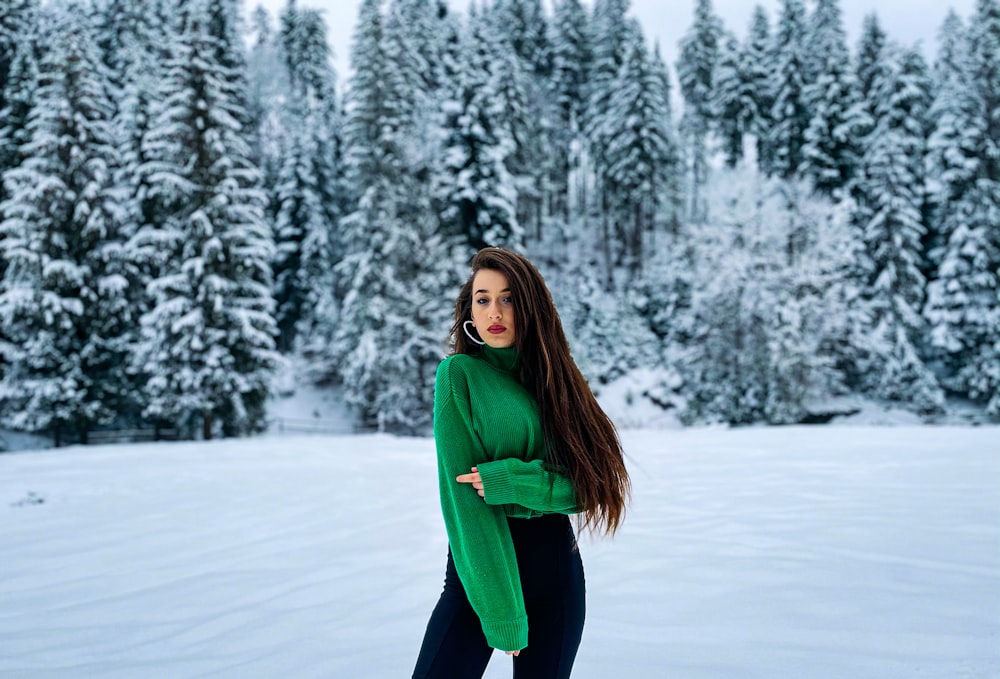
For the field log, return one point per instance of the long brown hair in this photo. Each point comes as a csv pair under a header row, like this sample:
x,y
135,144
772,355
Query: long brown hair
x,y
582,440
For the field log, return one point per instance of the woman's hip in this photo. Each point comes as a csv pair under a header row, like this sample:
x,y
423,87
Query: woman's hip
x,y
548,560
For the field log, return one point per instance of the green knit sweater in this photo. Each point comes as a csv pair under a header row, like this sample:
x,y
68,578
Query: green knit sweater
x,y
484,418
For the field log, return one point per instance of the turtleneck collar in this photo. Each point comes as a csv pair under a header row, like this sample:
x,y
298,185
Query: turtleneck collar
x,y
505,360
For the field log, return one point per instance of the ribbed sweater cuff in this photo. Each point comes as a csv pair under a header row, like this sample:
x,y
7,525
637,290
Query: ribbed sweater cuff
x,y
498,483
507,635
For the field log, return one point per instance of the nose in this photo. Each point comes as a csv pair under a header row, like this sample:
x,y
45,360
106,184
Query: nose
x,y
494,312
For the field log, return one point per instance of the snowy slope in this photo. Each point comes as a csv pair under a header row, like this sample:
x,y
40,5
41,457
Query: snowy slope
x,y
767,552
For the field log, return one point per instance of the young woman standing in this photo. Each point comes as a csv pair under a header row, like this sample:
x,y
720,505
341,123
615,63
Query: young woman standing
x,y
521,444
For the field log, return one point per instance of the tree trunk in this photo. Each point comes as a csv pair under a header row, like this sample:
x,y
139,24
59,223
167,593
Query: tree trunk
x,y
606,244
635,265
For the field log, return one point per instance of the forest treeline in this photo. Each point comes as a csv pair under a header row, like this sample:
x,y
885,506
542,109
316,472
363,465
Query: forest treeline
x,y
191,200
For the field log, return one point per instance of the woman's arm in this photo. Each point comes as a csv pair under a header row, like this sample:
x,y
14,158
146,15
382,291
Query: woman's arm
x,y
478,533
529,484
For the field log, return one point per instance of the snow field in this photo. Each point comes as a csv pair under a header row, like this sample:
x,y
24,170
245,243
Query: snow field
x,y
762,552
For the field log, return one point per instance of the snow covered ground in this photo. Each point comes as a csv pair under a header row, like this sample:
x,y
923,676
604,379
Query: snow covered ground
x,y
840,552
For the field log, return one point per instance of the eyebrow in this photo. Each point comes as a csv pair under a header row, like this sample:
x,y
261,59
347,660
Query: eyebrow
x,y
486,292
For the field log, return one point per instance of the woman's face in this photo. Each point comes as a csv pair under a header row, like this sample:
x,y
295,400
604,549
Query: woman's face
x,y
492,313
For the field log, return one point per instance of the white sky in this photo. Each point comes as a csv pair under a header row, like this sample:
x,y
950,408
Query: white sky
x,y
666,21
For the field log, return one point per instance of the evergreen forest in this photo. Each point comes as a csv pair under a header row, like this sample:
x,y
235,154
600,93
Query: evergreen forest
x,y
779,223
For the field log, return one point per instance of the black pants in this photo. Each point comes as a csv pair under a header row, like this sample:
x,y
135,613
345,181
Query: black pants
x,y
552,581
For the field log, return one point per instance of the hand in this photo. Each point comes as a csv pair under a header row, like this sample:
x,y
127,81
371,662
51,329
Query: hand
x,y
512,652
475,480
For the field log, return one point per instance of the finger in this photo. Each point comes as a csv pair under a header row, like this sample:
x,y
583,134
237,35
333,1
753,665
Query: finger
x,y
466,478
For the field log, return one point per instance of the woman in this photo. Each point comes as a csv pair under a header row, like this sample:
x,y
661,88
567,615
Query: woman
x,y
521,444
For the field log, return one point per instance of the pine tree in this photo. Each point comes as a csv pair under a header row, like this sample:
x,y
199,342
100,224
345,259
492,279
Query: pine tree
x,y
963,306
571,62
18,73
756,63
395,306
983,374
268,86
140,46
366,96
671,190
732,102
135,43
17,95
700,50
870,54
519,116
891,196
18,82
300,213
133,46
641,151
62,299
527,29
831,152
115,22
261,32
952,53
948,75
790,112
608,31
207,348
310,196
222,20
428,25
523,63
306,53
474,187
389,334
410,85
419,36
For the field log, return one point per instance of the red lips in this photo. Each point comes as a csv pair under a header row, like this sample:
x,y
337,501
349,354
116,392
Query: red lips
x,y
496,329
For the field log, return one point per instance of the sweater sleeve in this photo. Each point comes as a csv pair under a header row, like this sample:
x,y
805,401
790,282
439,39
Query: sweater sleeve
x,y
478,533
529,484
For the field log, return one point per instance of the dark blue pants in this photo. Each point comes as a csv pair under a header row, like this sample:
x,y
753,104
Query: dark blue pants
x,y
551,572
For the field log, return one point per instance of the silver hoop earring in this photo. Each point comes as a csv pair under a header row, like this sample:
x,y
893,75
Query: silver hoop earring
x,y
465,327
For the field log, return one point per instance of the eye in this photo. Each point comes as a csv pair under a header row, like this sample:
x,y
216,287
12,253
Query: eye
x,y
482,300
507,300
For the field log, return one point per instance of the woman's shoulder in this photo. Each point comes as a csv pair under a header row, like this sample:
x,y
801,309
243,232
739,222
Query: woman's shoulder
x,y
453,376
462,361
456,364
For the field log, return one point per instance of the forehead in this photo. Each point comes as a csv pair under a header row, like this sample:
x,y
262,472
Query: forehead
x,y
490,280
